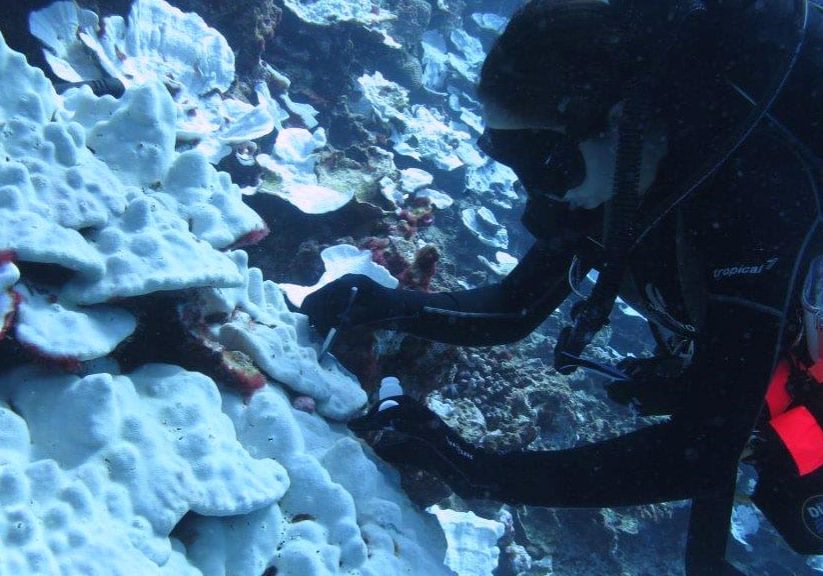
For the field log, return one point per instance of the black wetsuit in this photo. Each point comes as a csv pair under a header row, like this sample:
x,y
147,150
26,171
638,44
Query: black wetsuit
x,y
723,269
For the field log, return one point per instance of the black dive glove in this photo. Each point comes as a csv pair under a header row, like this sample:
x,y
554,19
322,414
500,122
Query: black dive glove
x,y
655,387
337,304
404,431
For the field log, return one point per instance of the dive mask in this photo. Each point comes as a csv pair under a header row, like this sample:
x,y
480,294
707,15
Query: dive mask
x,y
547,162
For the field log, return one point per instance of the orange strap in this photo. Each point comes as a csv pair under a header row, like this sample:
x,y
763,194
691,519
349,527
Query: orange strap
x,y
777,396
802,436
816,371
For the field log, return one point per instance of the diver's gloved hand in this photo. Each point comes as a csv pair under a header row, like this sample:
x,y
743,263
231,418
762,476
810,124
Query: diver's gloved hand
x,y
335,304
655,387
659,366
401,430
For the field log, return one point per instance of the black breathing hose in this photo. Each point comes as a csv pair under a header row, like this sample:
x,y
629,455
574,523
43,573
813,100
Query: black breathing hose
x,y
622,211
592,314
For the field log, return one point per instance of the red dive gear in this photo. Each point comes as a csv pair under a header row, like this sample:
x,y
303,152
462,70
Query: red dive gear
x,y
790,460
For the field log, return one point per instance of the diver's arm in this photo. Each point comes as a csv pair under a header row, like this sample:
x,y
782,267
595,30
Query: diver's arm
x,y
694,455
495,314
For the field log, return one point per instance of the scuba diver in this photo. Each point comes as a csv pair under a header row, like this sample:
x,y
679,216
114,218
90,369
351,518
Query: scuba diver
x,y
675,147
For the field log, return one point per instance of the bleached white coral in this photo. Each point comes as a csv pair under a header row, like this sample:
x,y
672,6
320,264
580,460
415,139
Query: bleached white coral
x,y
470,57
52,522
128,455
340,260
494,180
57,27
325,12
159,432
51,185
428,137
62,331
279,341
386,99
341,515
490,21
221,546
134,135
413,179
440,63
504,263
291,175
208,200
98,189
418,132
131,455
158,43
484,226
150,249
472,541
436,198
435,61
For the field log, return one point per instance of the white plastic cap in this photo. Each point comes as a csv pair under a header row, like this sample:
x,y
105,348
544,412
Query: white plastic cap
x,y
389,386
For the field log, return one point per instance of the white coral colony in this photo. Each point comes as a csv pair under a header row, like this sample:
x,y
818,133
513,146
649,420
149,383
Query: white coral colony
x,y
484,226
157,43
290,172
327,12
181,476
123,222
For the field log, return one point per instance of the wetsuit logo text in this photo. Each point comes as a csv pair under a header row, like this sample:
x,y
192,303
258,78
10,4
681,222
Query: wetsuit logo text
x,y
813,515
742,269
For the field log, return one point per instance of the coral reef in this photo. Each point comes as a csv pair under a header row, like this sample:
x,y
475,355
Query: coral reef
x,y
197,427
109,234
133,454
248,26
413,18
157,43
483,225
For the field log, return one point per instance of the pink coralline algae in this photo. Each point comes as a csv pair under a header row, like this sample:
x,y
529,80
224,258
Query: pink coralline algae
x,y
8,308
304,404
9,314
241,371
251,238
415,275
419,214
205,354
68,364
419,274
384,252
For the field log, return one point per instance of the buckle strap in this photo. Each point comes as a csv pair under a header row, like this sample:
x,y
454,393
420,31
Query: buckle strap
x,y
802,436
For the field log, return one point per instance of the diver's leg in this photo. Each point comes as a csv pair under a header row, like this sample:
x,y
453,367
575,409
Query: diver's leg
x,y
706,540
